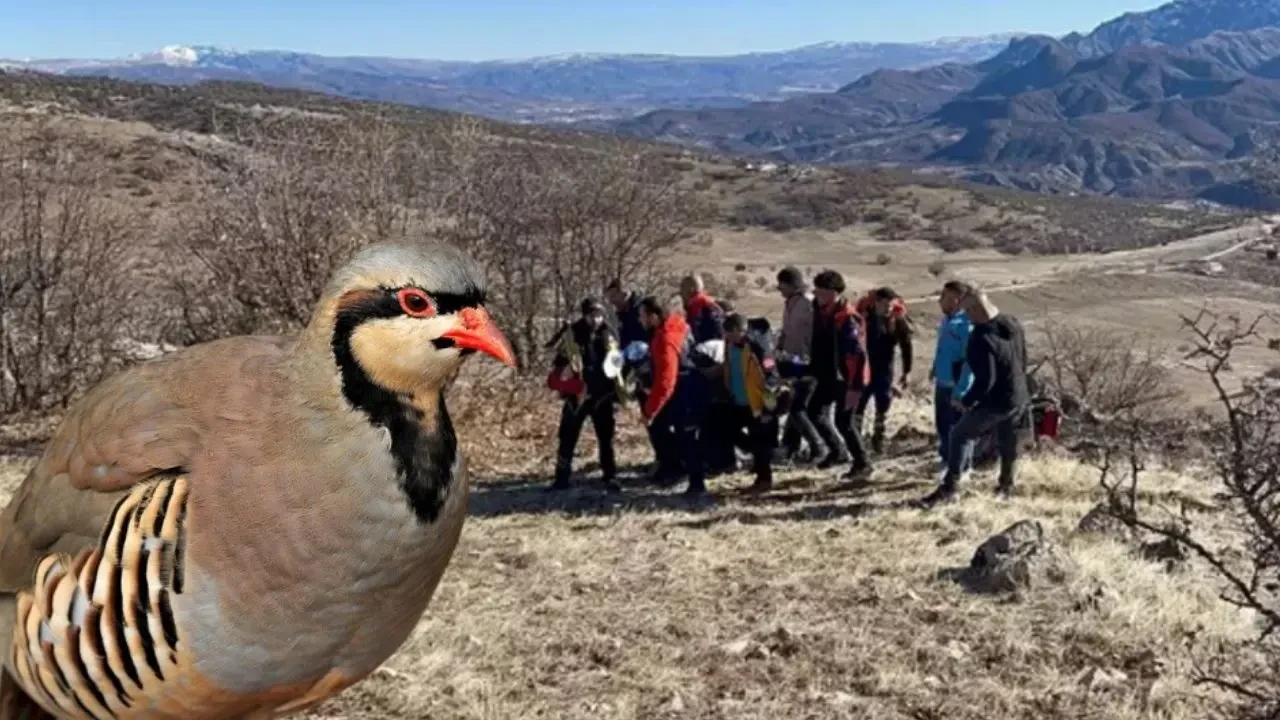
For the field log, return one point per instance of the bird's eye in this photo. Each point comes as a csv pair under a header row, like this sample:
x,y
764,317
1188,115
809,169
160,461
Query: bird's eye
x,y
416,303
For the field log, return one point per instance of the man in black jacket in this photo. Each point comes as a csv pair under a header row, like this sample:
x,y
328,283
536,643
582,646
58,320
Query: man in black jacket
x,y
888,329
588,343
626,306
838,363
997,356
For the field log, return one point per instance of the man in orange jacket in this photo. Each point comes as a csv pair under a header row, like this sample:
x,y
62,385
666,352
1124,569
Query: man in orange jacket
x,y
676,399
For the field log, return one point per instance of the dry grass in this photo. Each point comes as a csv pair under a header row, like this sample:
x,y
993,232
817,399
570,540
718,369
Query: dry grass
x,y
813,602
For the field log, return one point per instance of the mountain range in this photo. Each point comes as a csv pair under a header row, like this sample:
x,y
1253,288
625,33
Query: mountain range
x,y
1162,104
545,89
1166,103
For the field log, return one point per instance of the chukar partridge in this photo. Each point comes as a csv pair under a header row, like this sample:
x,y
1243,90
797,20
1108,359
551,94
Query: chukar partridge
x,y
243,528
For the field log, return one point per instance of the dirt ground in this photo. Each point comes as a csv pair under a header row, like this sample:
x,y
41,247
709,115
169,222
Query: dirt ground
x,y
815,601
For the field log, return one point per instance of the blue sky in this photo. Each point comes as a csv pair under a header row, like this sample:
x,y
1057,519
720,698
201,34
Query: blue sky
x,y
481,29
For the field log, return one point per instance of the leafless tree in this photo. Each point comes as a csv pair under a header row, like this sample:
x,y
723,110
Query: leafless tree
x,y
554,224
550,223
269,232
67,301
1105,373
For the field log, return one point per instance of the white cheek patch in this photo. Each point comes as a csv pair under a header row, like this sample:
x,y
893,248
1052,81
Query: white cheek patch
x,y
399,353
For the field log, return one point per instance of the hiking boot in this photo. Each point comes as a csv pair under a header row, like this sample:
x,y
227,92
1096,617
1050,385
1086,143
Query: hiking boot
x,y
877,443
610,485
811,456
664,478
944,494
557,486
857,474
1004,491
833,459
760,486
942,475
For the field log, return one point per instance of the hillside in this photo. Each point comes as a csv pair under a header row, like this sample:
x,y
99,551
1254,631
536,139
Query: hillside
x,y
541,90
1174,23
180,120
1144,121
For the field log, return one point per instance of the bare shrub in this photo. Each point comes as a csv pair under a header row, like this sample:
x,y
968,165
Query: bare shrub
x,y
1108,374
268,234
883,259
67,301
1244,448
937,267
552,225
954,242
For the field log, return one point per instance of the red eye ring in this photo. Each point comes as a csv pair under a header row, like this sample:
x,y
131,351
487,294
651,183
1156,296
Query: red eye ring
x,y
416,303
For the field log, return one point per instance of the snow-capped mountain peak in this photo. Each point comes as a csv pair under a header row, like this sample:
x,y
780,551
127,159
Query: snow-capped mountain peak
x,y
176,55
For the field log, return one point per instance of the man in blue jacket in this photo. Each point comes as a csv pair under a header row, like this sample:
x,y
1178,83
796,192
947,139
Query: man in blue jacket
x,y
997,400
951,375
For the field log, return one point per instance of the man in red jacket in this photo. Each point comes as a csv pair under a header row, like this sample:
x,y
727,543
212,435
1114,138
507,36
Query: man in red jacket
x,y
673,407
704,315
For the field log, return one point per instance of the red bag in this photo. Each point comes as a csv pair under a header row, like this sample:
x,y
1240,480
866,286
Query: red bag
x,y
1049,422
570,385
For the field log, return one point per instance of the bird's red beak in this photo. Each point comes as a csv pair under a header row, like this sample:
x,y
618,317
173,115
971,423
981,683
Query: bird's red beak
x,y
476,331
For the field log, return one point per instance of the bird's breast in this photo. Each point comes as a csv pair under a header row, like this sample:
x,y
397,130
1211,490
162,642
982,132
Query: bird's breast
x,y
315,577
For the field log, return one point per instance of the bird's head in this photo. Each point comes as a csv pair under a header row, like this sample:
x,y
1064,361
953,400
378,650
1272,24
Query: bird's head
x,y
405,316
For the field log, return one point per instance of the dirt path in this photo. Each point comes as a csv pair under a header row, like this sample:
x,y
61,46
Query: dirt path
x,y
1162,258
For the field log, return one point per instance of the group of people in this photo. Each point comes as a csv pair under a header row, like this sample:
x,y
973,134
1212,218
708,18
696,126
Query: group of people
x,y
709,381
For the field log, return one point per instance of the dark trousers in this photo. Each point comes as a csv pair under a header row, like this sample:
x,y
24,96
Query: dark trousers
x,y
881,389
572,417
945,416
676,434
799,425
972,425
719,434
834,421
760,434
